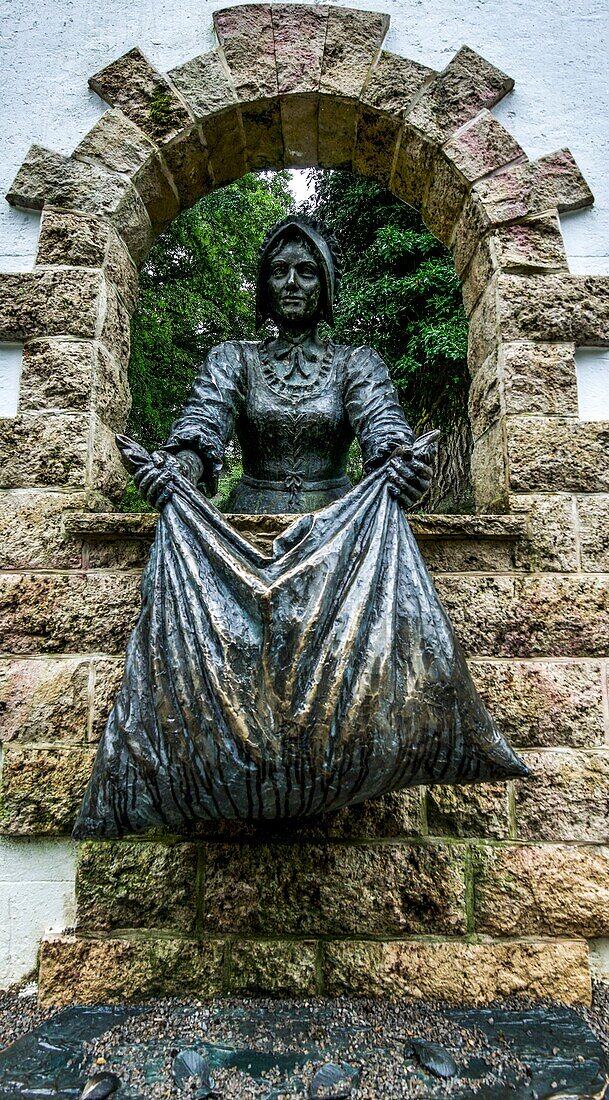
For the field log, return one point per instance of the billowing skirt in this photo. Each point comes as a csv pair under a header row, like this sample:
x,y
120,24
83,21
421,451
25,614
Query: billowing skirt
x,y
263,687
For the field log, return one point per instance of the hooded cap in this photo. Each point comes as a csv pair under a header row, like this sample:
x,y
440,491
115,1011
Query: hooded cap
x,y
323,247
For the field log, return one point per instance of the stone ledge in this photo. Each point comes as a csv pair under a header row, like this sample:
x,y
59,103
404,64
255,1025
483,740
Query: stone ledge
x,y
141,525
89,970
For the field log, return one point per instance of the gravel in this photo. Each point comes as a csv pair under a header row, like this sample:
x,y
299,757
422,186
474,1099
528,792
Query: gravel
x,y
285,1042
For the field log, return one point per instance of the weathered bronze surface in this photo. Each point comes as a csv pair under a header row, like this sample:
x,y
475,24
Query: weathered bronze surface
x,y
277,685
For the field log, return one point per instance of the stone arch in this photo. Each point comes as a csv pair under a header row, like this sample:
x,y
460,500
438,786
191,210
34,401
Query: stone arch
x,y
293,86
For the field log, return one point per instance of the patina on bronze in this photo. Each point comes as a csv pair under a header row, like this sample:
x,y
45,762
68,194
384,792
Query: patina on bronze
x,y
262,687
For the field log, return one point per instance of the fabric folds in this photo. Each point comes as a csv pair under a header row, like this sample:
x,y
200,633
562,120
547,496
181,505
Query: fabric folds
x,y
259,688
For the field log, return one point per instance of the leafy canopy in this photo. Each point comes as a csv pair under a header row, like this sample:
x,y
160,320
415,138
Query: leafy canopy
x,y
197,289
399,293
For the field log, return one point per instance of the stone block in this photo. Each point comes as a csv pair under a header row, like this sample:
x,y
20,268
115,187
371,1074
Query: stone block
x,y
50,303
337,127
486,403
206,84
44,449
67,613
353,41
460,973
70,239
263,135
107,676
393,83
483,334
443,199
111,392
394,815
466,86
559,308
412,168
276,968
482,146
489,470
552,545
376,145
245,34
529,616
566,797
557,454
135,884
464,555
472,811
310,889
593,522
299,35
187,159
225,142
114,553
49,178
106,473
529,247
545,890
115,332
540,378
42,789
470,230
554,182
299,125
544,703
57,374
116,144
143,95
31,529
112,970
44,701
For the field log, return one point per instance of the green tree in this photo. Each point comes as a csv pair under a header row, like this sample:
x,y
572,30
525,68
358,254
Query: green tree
x,y
197,289
400,294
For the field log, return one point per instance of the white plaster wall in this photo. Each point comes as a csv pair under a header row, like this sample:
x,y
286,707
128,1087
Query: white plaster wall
x,y
555,49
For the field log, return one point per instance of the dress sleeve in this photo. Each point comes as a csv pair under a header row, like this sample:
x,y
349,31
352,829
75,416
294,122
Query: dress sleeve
x,y
206,422
373,408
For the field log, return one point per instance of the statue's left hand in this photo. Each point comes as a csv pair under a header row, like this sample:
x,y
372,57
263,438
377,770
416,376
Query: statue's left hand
x,y
410,470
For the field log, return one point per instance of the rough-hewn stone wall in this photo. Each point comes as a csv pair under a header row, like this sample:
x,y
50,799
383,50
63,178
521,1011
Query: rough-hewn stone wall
x,y
455,893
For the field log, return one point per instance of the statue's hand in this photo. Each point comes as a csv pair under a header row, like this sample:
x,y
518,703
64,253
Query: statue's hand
x,y
154,483
410,470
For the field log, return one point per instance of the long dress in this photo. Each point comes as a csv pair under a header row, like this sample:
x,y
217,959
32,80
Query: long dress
x,y
262,687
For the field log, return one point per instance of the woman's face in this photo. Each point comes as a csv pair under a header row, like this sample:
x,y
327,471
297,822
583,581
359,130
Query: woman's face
x,y
294,285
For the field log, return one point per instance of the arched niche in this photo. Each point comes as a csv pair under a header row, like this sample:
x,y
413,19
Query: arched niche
x,y
293,86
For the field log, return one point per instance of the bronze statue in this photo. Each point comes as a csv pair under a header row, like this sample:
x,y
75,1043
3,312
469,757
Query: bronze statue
x,y
260,687
295,402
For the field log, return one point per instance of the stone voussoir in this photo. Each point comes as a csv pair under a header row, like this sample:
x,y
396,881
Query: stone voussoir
x,y
553,182
466,86
548,890
143,95
50,179
113,970
460,972
482,146
116,144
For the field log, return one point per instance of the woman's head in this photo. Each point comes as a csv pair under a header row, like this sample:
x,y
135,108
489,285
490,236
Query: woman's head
x,y
298,274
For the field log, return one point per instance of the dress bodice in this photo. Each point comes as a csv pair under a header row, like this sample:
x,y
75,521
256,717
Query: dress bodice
x,y
295,413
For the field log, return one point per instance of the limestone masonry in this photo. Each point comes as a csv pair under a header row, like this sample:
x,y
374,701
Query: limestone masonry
x,y
452,893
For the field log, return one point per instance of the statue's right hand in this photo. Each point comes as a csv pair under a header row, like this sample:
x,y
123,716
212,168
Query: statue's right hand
x,y
154,480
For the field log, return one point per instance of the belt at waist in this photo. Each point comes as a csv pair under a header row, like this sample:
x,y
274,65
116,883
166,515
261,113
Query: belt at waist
x,y
294,483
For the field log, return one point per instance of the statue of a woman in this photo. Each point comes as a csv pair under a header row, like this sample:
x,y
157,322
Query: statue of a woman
x,y
295,402
258,686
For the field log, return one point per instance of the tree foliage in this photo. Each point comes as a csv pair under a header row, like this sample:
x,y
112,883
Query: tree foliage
x,y
399,293
197,289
